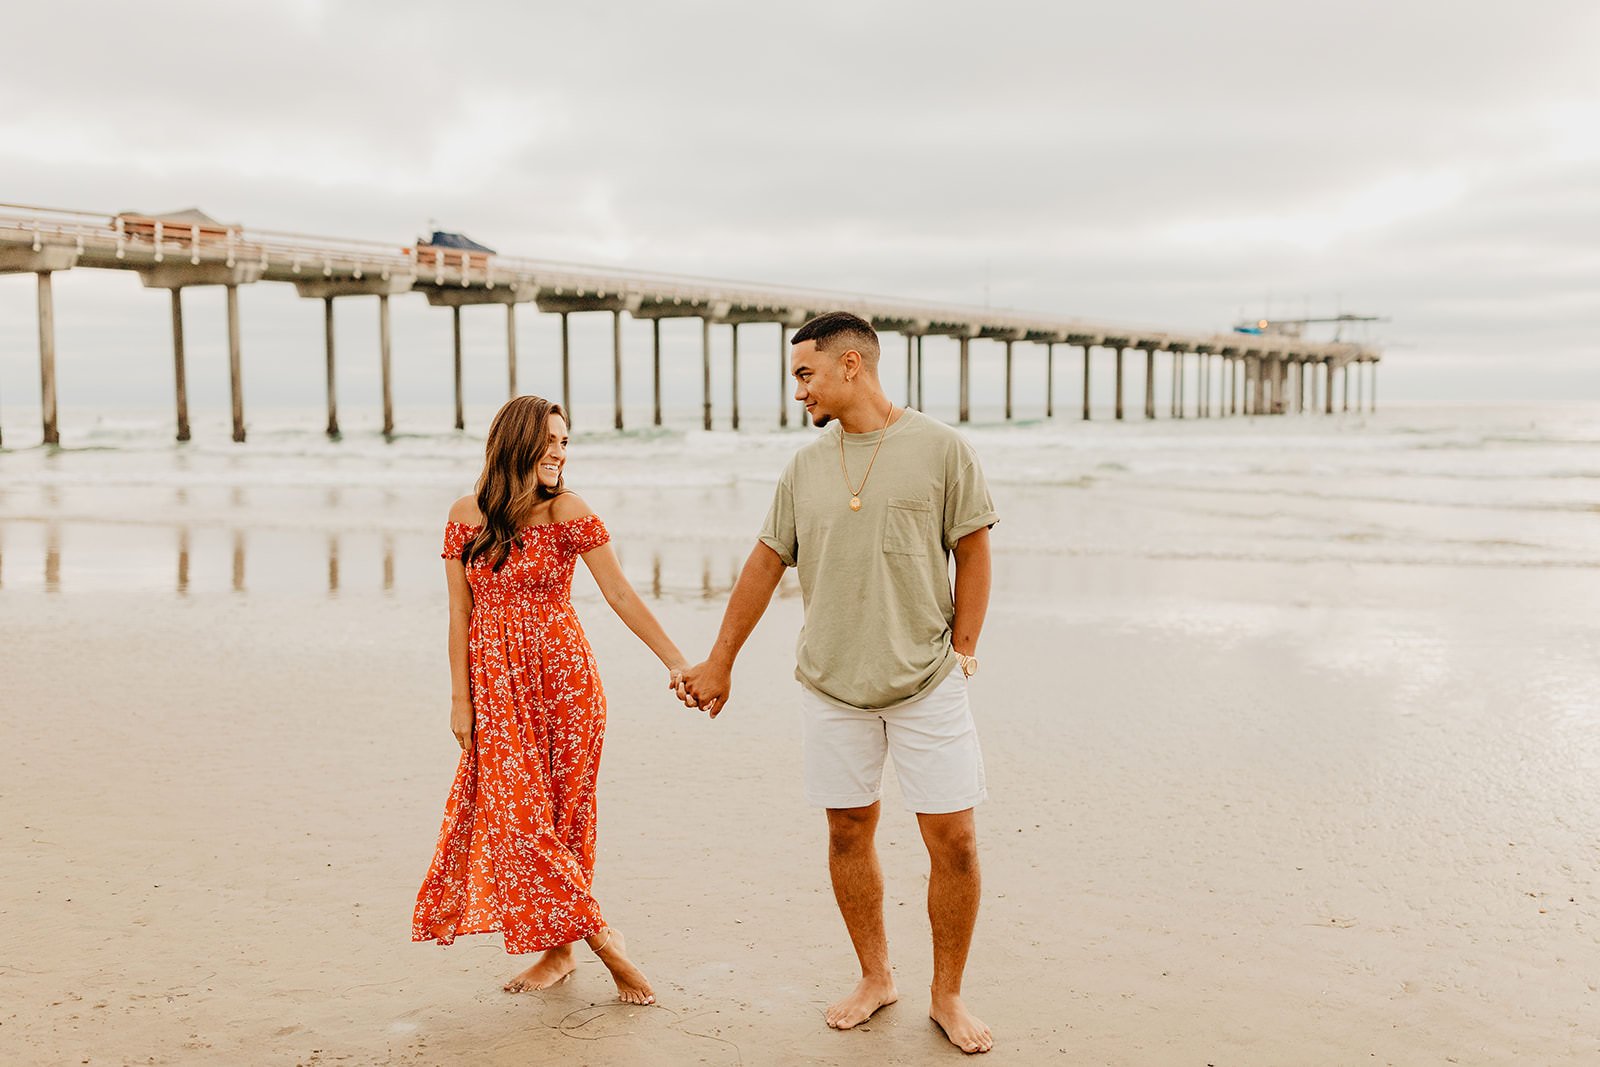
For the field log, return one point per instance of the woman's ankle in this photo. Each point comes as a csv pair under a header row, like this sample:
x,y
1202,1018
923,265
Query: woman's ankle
x,y
599,941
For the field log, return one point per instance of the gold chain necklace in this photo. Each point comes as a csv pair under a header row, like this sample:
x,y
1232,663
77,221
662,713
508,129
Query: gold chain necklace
x,y
855,494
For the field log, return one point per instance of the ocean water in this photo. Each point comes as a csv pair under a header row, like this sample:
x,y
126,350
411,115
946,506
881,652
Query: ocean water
x,y
1509,489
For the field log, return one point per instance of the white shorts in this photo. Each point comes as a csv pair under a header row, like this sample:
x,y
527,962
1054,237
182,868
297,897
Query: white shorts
x,y
934,743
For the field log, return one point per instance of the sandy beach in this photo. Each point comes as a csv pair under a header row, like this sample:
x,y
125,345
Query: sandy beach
x,y
1245,811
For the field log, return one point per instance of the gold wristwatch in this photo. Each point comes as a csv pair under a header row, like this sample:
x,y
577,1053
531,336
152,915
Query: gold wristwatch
x,y
969,664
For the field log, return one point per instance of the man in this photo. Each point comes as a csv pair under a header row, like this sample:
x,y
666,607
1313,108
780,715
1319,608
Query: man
x,y
870,513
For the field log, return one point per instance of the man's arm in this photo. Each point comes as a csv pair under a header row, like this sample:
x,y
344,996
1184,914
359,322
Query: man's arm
x,y
707,686
972,590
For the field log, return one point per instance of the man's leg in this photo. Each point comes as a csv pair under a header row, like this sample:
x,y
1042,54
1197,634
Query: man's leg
x,y
858,887
953,886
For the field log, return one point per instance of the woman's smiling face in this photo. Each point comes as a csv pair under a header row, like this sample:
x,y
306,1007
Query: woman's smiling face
x,y
554,460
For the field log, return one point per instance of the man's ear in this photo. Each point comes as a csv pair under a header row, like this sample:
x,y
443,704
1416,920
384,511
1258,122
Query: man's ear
x,y
850,359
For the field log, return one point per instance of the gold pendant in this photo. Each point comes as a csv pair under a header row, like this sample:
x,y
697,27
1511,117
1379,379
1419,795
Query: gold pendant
x,y
855,503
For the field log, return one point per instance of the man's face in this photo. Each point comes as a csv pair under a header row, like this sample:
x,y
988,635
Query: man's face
x,y
819,381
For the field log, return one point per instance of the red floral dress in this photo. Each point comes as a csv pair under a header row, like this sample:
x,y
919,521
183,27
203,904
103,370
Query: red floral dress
x,y
516,851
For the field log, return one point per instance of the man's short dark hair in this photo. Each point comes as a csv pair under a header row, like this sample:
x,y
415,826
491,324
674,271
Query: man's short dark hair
x,y
847,330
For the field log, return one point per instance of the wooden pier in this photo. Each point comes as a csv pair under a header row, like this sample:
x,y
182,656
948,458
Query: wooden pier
x,y
1231,373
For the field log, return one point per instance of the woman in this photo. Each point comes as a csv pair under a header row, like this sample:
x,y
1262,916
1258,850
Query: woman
x,y
516,851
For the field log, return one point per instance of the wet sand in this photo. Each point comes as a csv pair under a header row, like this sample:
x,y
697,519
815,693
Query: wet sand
x,y
1241,814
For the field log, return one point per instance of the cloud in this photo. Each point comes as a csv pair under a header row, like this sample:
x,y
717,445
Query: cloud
x,y
1151,162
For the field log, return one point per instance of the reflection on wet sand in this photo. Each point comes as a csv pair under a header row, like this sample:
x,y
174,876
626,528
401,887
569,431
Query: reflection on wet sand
x,y
52,558
205,558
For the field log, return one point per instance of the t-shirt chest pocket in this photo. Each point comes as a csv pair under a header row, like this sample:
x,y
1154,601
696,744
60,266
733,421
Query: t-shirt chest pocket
x,y
908,528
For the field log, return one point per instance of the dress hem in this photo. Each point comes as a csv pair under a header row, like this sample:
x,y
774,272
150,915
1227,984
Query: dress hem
x,y
446,941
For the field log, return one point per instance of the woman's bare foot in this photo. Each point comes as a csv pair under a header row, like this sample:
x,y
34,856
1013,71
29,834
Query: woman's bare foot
x,y
965,1030
632,986
553,967
869,995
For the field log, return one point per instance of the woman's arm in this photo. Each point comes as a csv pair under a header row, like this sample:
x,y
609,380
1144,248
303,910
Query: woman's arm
x,y
465,511
618,591
455,576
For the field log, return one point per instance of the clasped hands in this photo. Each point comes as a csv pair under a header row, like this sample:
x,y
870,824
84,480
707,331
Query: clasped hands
x,y
705,686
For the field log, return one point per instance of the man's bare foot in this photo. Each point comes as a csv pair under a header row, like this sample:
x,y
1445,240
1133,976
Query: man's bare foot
x,y
553,967
965,1030
868,996
632,986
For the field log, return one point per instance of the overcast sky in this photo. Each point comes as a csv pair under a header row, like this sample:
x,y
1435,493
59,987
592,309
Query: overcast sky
x,y
1168,163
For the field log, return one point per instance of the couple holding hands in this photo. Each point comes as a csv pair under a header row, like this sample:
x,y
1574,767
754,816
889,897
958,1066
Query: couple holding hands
x,y
870,514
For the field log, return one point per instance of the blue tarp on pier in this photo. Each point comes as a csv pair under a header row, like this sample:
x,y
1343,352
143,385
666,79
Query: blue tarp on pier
x,y
446,239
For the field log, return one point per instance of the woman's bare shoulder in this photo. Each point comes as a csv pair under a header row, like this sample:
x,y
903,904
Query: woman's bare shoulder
x,y
466,510
569,506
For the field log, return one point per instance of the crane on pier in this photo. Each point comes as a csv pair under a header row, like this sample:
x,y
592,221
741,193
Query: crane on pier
x,y
1295,327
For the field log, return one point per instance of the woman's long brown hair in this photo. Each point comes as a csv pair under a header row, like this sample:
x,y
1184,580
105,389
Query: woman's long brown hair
x,y
509,484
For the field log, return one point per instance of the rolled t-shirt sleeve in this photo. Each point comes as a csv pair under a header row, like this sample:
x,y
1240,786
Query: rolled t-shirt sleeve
x,y
967,504
778,532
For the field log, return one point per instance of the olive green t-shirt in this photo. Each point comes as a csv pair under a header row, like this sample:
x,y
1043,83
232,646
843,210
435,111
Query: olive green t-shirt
x,y
876,583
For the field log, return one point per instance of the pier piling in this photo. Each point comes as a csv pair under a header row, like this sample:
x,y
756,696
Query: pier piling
x,y
455,332
655,366
1119,382
966,381
705,368
566,367
735,375
1086,349
47,360
1008,379
511,350
783,377
1149,383
919,373
1050,380
616,370
179,374
909,340
383,356
327,329
235,374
